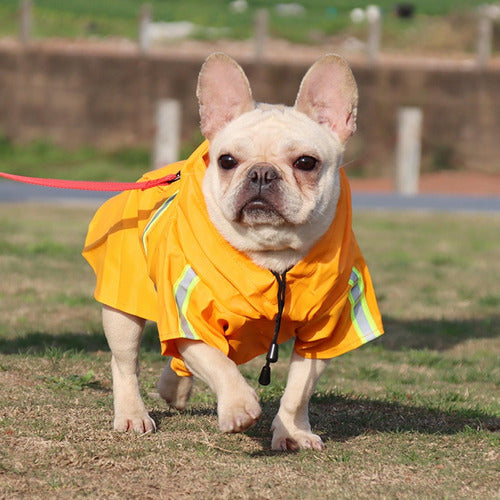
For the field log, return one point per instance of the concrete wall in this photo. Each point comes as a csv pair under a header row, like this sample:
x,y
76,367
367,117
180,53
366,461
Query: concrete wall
x,y
107,99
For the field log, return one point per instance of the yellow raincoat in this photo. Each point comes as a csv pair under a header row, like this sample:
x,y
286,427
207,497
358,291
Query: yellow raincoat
x,y
157,255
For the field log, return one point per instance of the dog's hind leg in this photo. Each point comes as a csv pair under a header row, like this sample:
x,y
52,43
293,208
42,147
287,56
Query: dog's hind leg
x,y
123,333
173,389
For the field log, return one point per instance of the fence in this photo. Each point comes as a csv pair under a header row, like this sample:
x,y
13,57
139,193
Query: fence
x,y
148,30
109,101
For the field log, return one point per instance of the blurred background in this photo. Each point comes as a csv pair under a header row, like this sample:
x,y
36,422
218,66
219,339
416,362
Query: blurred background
x,y
106,89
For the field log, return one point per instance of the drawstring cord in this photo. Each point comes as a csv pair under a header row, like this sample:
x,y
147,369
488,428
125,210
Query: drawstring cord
x,y
272,354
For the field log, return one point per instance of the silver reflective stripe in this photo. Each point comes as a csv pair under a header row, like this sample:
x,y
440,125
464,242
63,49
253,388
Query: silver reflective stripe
x,y
155,218
182,293
360,313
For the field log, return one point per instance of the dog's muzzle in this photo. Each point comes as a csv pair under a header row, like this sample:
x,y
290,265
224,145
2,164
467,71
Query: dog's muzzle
x,y
260,194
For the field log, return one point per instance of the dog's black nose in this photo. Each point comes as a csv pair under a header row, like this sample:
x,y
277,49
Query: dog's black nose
x,y
262,174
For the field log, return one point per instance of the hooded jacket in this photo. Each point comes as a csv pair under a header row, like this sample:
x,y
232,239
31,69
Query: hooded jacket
x,y
157,255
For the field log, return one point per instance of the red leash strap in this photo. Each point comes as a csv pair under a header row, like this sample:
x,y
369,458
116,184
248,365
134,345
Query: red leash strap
x,y
92,185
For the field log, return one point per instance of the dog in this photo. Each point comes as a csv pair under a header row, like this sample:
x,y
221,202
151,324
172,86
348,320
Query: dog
x,y
251,246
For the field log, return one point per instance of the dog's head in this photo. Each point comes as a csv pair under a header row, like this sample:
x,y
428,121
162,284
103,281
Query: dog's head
x,y
272,184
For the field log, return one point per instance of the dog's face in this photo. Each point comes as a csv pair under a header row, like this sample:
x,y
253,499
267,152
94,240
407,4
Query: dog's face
x,y
272,186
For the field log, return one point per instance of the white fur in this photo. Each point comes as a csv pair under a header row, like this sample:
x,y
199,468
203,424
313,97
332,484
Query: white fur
x,y
124,333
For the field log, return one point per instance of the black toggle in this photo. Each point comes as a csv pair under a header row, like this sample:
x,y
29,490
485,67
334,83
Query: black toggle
x,y
265,375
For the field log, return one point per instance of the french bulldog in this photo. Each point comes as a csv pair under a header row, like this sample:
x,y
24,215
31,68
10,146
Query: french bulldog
x,y
271,190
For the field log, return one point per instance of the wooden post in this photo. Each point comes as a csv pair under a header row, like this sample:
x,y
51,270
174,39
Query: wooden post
x,y
145,18
168,133
484,36
374,18
25,21
408,150
261,28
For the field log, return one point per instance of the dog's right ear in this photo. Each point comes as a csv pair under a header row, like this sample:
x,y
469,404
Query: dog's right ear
x,y
223,93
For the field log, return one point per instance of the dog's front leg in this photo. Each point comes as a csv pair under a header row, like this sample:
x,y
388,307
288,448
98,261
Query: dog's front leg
x,y
291,428
123,333
237,403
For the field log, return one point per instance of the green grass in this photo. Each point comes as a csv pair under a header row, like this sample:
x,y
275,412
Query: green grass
x,y
83,18
42,158
71,382
415,414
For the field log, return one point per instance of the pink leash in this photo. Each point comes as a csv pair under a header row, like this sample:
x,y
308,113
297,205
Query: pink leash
x,y
92,185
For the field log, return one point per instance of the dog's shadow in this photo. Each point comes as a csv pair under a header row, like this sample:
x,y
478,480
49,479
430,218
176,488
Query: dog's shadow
x,y
341,418
344,418
40,342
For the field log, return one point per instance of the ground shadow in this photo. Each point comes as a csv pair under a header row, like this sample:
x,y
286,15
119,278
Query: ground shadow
x,y
339,419
39,342
437,335
161,417
345,417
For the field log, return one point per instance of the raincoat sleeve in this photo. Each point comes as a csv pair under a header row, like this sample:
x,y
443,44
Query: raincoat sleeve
x,y
353,321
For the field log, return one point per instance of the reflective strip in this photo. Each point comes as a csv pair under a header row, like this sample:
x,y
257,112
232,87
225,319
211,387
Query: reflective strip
x,y
360,312
155,218
183,288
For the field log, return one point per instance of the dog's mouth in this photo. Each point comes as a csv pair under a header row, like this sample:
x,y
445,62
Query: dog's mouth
x,y
258,210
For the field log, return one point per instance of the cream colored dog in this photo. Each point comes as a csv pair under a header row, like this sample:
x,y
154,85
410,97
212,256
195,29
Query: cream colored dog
x,y
271,190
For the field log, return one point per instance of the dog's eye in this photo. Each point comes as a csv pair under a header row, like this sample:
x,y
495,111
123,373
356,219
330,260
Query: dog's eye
x,y
227,162
305,163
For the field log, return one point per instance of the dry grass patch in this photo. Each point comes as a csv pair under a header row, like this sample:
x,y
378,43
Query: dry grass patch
x,y
415,415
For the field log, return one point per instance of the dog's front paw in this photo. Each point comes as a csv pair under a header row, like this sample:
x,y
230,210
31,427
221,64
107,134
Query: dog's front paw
x,y
296,441
238,412
291,438
140,423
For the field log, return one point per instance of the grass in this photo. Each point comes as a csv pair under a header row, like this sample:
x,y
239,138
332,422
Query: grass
x,y
41,158
413,415
91,18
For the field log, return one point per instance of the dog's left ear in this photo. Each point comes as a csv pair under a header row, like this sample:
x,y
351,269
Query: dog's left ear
x,y
328,94
223,93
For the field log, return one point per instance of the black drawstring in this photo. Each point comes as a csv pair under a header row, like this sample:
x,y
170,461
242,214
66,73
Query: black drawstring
x,y
272,354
